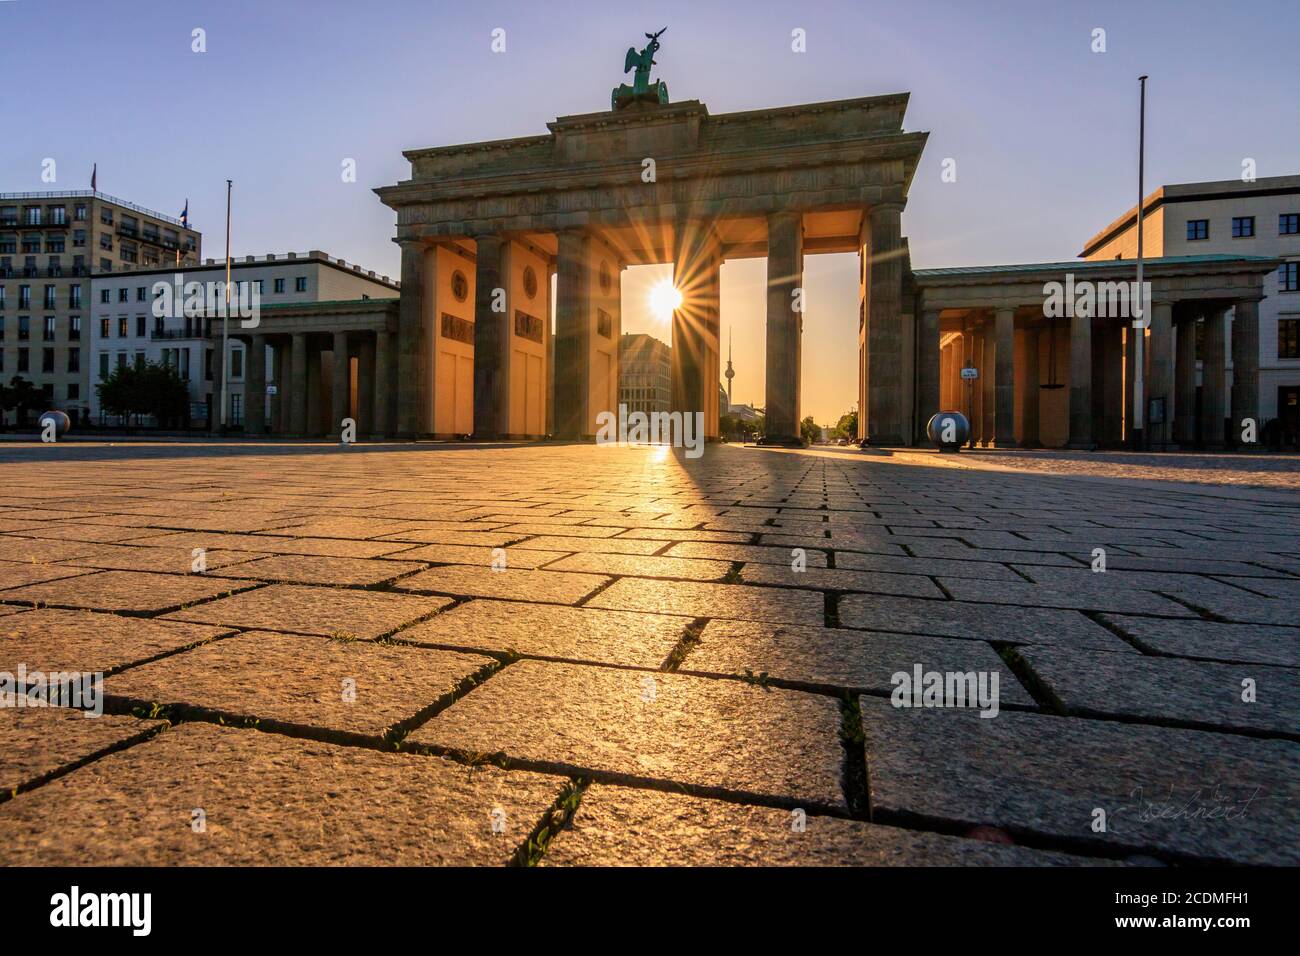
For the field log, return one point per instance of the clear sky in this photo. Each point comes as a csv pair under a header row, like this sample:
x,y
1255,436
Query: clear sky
x,y
1043,129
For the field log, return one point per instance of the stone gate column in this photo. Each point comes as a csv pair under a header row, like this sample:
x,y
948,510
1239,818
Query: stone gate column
x,y
1185,382
341,379
383,401
410,332
1160,369
1213,372
255,387
884,321
929,372
1113,400
490,339
1245,367
1029,431
987,384
695,275
572,333
1081,383
1004,387
784,327
296,385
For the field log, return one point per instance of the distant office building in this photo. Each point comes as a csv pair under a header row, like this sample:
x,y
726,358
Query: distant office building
x,y
51,244
645,383
1231,218
124,328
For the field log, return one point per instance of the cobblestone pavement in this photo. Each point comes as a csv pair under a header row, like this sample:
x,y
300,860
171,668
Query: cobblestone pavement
x,y
569,654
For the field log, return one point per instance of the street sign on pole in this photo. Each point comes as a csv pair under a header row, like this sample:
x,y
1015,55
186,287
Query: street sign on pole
x,y
969,374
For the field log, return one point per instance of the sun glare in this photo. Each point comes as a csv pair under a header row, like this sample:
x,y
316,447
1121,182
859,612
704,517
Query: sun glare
x,y
664,299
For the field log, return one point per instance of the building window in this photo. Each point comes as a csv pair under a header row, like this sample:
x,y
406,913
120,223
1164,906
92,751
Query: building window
x,y
78,238
49,297
104,296
2,298
139,293
257,286
47,360
79,212
24,328
9,244
74,392
236,363
53,243
1288,224
140,325
1288,338
300,285
121,327
2,328
1243,227
23,361
74,360
74,328
74,297
279,285
1288,277
1198,229
236,409
103,328
24,297
48,334
123,295
103,366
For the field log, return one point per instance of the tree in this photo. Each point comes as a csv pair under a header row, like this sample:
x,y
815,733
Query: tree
x,y
144,389
847,426
810,430
20,395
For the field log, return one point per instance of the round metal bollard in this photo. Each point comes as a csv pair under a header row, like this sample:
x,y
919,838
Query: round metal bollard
x,y
948,430
62,423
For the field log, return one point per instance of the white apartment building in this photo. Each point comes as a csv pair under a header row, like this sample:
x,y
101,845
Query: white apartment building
x,y
1260,218
124,328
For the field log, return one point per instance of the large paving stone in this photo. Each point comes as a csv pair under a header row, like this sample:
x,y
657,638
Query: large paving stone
x,y
520,584
620,826
985,622
554,631
273,544
271,800
1184,793
1212,640
311,569
49,639
304,681
35,742
738,601
333,612
751,553
555,544
834,579
720,736
516,556
16,575
126,591
987,570
113,557
1097,597
644,566
41,550
833,658
1162,689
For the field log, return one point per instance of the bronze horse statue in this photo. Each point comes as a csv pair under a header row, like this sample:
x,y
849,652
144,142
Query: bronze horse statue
x,y
641,90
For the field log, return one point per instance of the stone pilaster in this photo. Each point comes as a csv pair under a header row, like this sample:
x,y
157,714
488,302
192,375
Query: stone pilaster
x,y
1112,415
572,333
296,386
255,387
1029,433
1213,373
929,372
1004,388
366,399
384,368
1245,367
884,318
1160,374
1185,382
412,379
784,327
340,380
987,384
1081,383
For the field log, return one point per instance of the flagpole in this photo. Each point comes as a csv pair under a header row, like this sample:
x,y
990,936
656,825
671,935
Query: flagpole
x,y
225,321
1138,331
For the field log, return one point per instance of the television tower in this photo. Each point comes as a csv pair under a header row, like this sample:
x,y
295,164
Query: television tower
x,y
730,373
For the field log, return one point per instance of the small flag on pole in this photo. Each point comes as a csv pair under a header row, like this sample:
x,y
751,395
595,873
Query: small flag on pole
x,y
185,215
94,177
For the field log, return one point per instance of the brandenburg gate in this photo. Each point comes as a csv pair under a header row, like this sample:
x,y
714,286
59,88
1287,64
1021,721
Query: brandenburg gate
x,y
484,226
